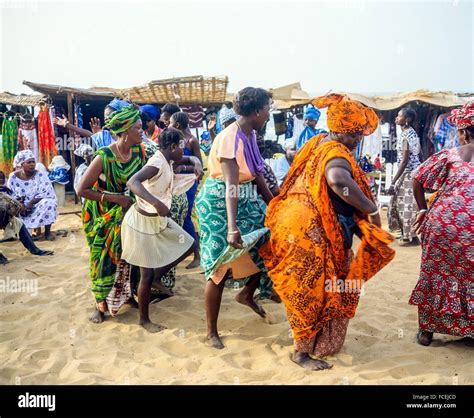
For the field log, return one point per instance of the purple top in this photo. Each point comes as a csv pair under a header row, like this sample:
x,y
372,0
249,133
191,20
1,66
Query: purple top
x,y
253,158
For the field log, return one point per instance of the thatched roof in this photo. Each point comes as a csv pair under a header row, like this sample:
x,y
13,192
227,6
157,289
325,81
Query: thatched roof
x,y
21,99
394,101
183,90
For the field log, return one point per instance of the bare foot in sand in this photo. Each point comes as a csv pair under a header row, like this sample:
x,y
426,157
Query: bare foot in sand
x,y
248,300
152,327
214,341
97,317
305,361
193,264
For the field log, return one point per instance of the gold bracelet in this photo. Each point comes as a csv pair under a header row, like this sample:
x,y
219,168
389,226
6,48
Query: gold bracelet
x,y
233,232
102,197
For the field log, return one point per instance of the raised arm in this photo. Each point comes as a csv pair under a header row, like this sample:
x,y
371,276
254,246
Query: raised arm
x,y
65,123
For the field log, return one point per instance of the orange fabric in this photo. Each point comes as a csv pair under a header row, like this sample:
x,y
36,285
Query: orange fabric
x,y
347,116
305,256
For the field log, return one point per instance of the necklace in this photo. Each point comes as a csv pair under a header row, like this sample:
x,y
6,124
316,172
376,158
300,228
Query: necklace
x,y
121,155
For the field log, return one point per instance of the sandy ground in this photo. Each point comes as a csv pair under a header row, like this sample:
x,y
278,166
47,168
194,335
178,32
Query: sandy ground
x,y
46,337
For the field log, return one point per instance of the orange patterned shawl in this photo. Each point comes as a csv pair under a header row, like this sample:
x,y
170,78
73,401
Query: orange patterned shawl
x,y
305,255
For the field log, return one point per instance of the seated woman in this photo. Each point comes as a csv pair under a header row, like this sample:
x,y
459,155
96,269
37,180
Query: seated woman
x,y
35,191
9,209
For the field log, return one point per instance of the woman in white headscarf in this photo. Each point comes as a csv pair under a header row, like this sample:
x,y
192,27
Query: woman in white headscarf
x,y
35,191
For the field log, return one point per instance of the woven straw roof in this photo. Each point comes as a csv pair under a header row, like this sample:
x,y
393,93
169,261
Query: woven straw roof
x,y
182,90
21,99
394,101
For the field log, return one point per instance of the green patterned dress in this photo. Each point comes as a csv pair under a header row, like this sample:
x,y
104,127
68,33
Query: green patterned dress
x,y
9,144
102,220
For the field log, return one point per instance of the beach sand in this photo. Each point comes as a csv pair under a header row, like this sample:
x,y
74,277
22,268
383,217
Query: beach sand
x,y
46,338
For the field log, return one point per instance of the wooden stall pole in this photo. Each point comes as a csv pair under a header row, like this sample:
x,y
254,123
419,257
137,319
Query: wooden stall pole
x,y
70,116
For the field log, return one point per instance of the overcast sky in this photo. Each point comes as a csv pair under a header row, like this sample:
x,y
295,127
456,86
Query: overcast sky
x,y
357,46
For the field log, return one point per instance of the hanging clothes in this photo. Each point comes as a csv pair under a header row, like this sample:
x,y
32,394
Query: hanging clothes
x,y
27,138
446,136
289,125
195,114
78,118
9,144
46,138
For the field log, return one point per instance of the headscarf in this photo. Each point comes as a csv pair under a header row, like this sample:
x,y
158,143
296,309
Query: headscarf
x,y
123,119
59,162
311,113
117,104
463,117
152,111
227,114
83,150
21,157
347,116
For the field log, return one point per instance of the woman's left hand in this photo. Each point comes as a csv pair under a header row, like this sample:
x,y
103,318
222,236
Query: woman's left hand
x,y
417,225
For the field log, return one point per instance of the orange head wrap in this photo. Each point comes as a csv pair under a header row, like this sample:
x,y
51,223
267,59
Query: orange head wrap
x,y
347,116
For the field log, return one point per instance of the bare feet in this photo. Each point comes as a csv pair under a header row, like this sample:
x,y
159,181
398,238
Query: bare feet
x,y
152,327
214,341
305,361
193,264
246,299
163,289
97,317
424,338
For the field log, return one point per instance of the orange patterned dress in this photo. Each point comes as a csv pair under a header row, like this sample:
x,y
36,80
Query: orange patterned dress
x,y
318,279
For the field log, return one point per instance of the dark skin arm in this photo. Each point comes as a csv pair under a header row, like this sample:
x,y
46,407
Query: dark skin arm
x,y
135,184
401,168
90,178
65,123
339,178
419,194
230,169
263,189
193,161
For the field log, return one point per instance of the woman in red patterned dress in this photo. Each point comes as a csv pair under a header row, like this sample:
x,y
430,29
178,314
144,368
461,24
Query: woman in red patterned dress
x,y
445,289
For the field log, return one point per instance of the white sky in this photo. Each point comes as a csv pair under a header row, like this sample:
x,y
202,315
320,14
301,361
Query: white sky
x,y
357,46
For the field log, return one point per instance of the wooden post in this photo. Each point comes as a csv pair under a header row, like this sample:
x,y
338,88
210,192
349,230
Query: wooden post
x,y
70,116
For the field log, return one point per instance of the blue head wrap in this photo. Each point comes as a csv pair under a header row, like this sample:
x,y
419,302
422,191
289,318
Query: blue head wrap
x,y
152,111
117,104
311,113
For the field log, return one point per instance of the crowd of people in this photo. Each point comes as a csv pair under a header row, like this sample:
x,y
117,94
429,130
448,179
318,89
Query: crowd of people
x,y
288,234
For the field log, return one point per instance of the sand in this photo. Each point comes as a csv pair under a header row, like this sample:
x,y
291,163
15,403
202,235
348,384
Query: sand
x,y
46,338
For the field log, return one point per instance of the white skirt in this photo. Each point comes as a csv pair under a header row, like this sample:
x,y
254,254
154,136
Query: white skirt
x,y
152,241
